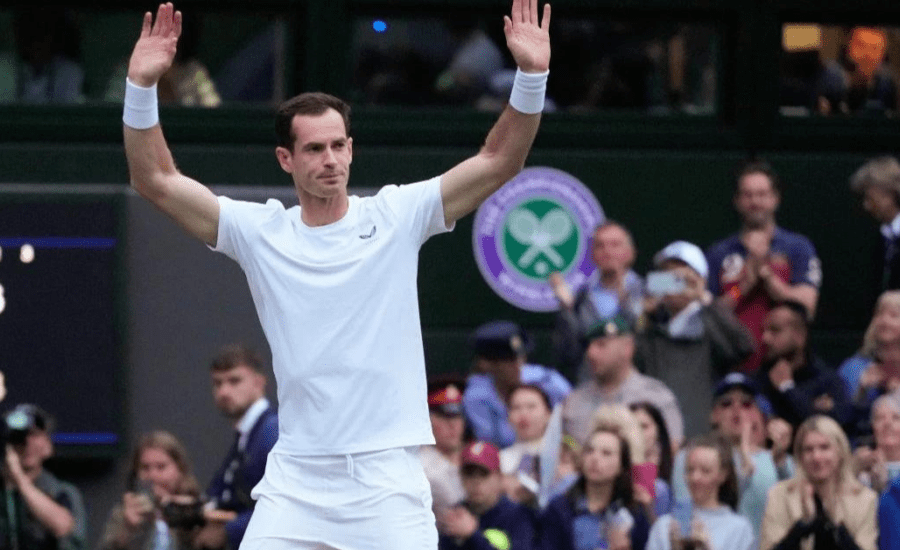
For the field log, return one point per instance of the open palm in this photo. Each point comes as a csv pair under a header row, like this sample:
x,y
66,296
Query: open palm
x,y
528,39
155,49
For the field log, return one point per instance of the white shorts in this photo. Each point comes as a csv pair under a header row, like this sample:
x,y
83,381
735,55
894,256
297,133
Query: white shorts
x,y
376,500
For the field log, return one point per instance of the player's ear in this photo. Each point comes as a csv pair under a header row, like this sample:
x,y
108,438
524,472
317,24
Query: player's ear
x,y
285,160
350,148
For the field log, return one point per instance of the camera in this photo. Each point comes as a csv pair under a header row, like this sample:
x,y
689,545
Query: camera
x,y
184,515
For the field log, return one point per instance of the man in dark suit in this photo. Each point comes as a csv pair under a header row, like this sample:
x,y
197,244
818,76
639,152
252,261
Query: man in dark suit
x,y
239,389
878,181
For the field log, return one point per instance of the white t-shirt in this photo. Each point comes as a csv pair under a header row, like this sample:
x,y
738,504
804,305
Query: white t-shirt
x,y
339,307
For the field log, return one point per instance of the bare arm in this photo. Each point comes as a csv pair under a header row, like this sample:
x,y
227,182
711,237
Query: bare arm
x,y
150,164
465,186
53,516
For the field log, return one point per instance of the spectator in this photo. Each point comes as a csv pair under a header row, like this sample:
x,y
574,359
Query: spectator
x,y
44,67
599,510
486,520
878,181
889,518
797,383
39,511
239,389
876,467
884,327
187,82
763,263
689,343
501,354
709,520
823,499
644,472
657,450
529,414
881,376
859,82
737,416
610,355
160,476
441,461
612,287
475,60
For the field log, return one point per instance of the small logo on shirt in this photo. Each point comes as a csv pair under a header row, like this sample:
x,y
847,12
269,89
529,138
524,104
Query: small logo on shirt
x,y
370,235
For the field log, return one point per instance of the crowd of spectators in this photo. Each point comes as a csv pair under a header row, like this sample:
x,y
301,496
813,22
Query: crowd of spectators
x,y
699,414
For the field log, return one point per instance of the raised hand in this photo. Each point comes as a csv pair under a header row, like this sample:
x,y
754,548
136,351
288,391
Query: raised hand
x,y
155,49
527,39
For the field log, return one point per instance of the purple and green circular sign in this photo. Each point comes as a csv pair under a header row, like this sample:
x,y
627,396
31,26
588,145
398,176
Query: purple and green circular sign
x,y
537,223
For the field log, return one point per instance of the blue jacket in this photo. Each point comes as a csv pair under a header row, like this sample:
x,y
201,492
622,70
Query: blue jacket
x,y
889,518
511,525
260,441
558,529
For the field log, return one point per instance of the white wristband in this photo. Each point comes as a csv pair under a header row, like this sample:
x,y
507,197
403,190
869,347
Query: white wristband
x,y
141,110
528,92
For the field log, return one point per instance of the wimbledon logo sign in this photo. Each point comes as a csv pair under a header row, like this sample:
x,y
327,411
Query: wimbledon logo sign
x,y
541,221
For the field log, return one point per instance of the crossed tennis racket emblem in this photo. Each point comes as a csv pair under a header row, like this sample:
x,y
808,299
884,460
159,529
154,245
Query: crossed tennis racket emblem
x,y
540,235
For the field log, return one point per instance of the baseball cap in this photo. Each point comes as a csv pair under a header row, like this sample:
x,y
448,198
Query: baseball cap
x,y
481,453
500,340
23,419
736,380
615,325
686,252
445,399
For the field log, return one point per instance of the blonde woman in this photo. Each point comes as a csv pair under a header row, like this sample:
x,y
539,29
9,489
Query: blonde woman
x,y
858,371
823,499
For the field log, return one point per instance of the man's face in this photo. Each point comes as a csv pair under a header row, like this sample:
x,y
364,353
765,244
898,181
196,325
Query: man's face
x,y
781,334
880,203
483,488
448,431
36,448
320,160
236,389
612,250
866,49
507,372
608,354
756,200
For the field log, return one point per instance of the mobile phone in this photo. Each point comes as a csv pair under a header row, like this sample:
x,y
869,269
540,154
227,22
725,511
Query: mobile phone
x,y
663,283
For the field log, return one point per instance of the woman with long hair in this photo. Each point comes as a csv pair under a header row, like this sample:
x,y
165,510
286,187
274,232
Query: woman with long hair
x,y
709,521
658,451
823,499
160,509
599,511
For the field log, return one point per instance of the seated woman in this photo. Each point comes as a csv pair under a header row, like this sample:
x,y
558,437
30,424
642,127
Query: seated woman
x,y
709,520
658,450
161,510
529,414
823,499
885,326
877,467
599,511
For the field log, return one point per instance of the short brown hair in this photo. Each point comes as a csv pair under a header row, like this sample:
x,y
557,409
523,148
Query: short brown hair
x,y
235,355
308,104
757,166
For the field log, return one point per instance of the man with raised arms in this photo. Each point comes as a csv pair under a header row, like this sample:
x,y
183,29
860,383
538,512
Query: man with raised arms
x,y
334,284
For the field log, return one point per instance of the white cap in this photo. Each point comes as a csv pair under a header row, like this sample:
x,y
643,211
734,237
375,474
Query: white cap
x,y
685,252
